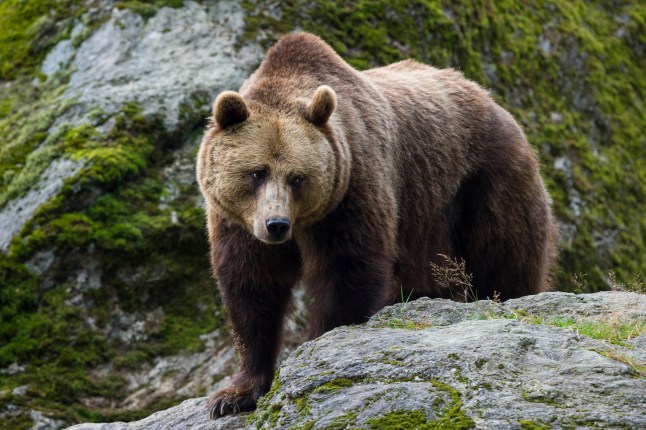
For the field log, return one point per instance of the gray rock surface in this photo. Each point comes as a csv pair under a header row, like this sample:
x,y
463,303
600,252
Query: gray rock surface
x,y
602,305
180,56
191,414
478,365
18,211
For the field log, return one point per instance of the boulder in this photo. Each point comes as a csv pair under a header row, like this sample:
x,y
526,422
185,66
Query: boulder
x,y
553,360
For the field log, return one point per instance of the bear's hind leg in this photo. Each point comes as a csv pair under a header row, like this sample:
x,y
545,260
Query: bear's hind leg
x,y
505,234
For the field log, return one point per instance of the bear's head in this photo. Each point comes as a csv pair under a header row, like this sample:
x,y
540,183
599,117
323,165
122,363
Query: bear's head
x,y
273,171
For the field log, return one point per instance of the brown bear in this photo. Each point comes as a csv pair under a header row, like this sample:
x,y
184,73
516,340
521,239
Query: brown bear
x,y
354,182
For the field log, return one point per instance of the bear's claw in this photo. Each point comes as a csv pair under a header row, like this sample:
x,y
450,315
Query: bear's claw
x,y
226,402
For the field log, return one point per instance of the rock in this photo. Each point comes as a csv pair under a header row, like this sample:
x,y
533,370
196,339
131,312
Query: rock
x,y
629,306
41,422
427,312
180,375
455,365
179,57
58,58
191,414
17,212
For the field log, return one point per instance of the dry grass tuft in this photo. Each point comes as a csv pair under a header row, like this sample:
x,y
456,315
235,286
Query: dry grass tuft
x,y
453,276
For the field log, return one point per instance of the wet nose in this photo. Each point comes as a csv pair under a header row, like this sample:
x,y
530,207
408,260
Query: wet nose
x,y
277,227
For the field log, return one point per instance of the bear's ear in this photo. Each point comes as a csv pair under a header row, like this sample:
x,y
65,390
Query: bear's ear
x,y
322,106
230,109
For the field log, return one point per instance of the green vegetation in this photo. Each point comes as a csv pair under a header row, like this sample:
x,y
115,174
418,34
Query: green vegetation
x,y
28,146
342,422
450,417
613,328
28,29
112,211
335,385
638,368
533,425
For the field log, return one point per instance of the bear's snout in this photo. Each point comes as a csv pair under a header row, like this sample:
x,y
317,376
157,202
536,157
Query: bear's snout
x,y
278,228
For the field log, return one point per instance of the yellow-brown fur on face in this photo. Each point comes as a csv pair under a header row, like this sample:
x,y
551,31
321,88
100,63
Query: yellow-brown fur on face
x,y
283,147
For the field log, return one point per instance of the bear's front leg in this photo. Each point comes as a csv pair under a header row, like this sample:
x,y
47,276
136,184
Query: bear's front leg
x,y
256,282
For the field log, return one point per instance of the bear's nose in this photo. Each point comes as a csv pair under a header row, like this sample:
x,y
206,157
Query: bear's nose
x,y
277,227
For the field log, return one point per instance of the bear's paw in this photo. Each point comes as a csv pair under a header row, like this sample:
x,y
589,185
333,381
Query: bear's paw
x,y
230,400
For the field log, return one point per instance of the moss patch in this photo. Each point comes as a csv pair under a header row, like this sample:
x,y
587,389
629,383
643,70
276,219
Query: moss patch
x,y
334,385
613,328
533,425
28,29
156,256
450,417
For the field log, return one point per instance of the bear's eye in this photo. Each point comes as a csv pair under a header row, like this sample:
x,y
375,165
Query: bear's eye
x,y
258,176
296,181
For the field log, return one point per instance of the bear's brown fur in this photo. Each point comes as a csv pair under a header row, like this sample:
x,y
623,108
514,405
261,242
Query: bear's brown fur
x,y
355,182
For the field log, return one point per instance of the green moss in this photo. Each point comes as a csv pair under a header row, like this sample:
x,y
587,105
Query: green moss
x,y
539,398
21,421
452,417
28,146
111,210
56,344
132,359
28,29
342,422
533,425
335,385
266,412
613,329
400,420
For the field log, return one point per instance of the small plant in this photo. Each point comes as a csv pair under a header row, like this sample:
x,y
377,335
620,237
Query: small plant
x,y
402,321
612,281
580,283
635,285
453,276
496,297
